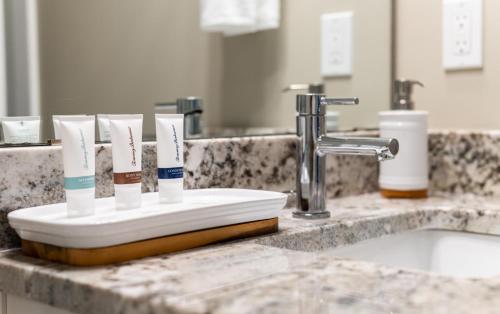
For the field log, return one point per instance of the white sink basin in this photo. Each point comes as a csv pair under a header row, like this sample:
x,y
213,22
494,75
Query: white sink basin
x,y
451,253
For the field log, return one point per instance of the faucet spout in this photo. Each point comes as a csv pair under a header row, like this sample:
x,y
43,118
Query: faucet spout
x,y
314,144
382,148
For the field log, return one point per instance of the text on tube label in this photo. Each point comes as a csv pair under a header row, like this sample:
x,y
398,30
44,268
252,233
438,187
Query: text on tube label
x,y
78,183
127,177
170,173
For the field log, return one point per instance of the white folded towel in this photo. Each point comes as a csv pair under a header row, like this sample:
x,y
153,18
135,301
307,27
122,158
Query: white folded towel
x,y
237,17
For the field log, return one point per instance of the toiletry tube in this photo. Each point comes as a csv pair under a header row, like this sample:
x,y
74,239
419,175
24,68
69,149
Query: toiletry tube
x,y
17,130
126,139
78,138
57,124
169,137
104,131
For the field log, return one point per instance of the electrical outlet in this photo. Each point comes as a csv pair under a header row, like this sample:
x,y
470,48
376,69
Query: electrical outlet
x,y
336,44
462,34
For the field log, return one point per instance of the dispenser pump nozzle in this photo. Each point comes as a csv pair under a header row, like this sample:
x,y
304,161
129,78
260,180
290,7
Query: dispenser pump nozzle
x,y
403,90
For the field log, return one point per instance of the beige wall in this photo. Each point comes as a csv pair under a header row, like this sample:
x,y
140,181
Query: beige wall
x,y
258,66
116,56
122,56
459,99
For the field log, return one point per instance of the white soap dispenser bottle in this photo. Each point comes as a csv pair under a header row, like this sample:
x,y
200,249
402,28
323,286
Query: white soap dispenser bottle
x,y
407,175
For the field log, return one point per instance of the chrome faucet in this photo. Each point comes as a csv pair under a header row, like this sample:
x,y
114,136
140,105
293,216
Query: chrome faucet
x,y
314,145
191,108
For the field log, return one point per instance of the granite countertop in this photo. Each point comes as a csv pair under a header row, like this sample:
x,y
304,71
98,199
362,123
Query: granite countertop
x,y
460,161
282,273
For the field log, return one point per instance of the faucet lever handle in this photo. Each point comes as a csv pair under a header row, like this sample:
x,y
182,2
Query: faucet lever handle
x,y
296,87
316,88
340,101
184,105
165,105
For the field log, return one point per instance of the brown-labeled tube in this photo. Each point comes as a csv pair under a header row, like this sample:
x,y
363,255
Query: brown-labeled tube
x,y
126,139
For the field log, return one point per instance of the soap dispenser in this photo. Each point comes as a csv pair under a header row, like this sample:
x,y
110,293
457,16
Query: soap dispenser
x,y
331,117
407,175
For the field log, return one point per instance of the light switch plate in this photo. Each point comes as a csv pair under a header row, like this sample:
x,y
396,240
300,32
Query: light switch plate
x,y
336,44
462,34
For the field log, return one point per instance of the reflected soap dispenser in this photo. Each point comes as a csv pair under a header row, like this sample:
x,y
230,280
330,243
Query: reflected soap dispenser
x,y
407,175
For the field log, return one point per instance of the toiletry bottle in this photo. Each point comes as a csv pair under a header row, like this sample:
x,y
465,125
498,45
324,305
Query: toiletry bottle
x,y
407,175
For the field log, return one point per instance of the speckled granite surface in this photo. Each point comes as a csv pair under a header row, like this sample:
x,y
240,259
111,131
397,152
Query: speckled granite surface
x,y
34,176
282,273
465,162
460,162
255,276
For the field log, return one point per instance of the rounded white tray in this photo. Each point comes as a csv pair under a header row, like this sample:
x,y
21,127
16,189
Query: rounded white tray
x,y
201,209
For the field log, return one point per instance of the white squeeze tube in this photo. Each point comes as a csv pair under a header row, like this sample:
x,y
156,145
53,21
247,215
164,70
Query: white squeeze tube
x,y
17,130
104,131
78,138
126,139
169,137
57,124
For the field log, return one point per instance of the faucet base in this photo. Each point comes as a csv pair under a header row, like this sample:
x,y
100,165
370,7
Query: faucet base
x,y
311,215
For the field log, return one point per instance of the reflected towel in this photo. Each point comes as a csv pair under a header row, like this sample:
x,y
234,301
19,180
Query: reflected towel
x,y
237,17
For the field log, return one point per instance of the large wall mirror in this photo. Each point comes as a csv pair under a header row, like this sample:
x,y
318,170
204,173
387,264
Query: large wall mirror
x,y
60,57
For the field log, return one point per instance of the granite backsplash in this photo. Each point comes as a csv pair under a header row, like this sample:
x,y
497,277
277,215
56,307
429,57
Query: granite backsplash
x,y
460,162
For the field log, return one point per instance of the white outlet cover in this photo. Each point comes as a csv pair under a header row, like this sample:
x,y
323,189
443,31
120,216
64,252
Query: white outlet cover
x,y
462,34
336,44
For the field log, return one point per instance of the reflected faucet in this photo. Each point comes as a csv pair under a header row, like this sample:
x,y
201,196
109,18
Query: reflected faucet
x,y
314,145
315,88
191,108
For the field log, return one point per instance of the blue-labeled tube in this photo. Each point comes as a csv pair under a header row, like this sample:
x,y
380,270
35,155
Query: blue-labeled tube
x,y
170,152
78,138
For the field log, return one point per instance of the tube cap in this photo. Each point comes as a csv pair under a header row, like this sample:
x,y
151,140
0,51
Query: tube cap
x,y
170,190
128,196
80,203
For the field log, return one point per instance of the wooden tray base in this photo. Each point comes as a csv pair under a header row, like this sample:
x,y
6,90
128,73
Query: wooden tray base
x,y
403,194
150,247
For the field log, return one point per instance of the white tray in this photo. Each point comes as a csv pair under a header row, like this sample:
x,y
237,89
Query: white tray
x,y
201,209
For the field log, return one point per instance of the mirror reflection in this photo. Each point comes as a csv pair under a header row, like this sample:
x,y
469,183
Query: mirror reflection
x,y
230,70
